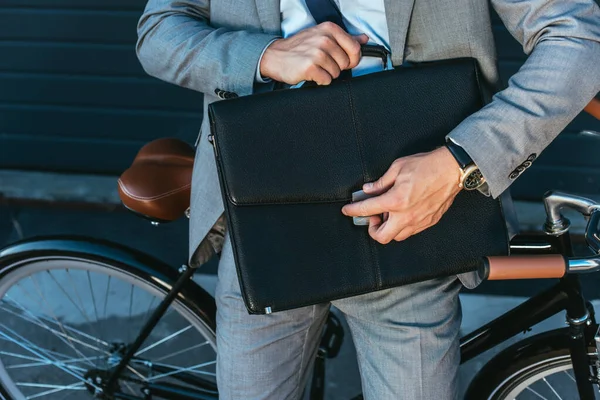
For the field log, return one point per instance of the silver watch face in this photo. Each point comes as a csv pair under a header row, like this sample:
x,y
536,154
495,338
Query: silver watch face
x,y
474,180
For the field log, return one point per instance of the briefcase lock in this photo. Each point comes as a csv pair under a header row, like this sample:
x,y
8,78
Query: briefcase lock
x,y
359,196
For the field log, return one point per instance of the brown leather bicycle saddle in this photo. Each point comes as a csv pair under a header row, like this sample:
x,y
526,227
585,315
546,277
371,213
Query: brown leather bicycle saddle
x,y
157,185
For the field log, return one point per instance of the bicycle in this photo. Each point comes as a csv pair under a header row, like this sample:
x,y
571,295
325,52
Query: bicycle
x,y
166,348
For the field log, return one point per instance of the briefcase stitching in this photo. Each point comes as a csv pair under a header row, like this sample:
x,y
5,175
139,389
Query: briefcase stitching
x,y
359,145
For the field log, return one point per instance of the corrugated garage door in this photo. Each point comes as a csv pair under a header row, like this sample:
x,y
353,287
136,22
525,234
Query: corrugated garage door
x,y
73,97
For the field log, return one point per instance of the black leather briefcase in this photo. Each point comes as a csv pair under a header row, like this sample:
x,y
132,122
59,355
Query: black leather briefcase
x,y
289,160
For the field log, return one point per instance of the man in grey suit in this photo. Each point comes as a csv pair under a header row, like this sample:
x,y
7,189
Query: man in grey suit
x,y
406,338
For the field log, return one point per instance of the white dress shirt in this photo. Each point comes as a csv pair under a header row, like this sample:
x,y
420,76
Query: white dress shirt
x,y
360,16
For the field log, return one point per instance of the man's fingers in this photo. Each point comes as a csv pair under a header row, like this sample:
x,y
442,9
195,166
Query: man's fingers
x,y
373,206
375,223
386,231
337,53
362,38
386,215
318,75
386,181
347,42
326,61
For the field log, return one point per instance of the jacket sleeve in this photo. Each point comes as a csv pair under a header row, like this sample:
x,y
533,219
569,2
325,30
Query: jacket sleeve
x,y
177,44
559,78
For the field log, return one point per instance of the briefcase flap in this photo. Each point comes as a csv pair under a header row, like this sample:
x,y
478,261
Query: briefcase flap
x,y
272,166
321,145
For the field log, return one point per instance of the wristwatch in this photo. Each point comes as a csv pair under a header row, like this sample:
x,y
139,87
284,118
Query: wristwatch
x,y
471,177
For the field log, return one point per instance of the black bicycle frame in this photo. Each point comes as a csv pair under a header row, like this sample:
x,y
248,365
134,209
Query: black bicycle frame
x,y
565,295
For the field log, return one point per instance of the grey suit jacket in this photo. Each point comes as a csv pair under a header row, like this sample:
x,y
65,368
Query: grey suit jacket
x,y
212,46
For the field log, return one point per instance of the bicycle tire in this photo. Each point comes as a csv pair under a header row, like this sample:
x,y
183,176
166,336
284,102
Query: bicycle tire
x,y
79,256
545,367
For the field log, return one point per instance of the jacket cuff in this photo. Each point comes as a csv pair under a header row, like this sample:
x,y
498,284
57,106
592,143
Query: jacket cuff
x,y
467,137
248,53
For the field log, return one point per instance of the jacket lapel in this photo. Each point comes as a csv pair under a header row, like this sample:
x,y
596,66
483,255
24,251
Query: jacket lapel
x,y
269,15
398,15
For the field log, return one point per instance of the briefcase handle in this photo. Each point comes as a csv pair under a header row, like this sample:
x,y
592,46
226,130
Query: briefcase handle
x,y
375,50
366,50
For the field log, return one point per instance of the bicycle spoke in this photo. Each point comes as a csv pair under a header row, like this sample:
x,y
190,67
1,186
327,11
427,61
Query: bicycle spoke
x,y
57,333
64,357
31,277
163,340
177,369
133,392
142,377
149,308
24,357
81,311
180,369
92,326
95,307
40,363
49,320
536,393
189,369
106,296
569,375
27,345
182,351
75,387
60,335
551,388
130,306
45,364
106,303
46,385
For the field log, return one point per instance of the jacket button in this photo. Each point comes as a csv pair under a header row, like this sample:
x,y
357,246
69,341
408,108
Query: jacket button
x,y
223,94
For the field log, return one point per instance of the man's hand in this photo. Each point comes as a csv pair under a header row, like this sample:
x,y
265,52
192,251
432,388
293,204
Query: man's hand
x,y
316,54
412,195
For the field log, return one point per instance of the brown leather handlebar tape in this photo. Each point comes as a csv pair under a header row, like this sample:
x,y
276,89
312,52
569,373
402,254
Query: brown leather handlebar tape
x,y
593,108
527,267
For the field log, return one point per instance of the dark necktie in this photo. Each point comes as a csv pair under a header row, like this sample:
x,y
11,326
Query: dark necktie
x,y
327,10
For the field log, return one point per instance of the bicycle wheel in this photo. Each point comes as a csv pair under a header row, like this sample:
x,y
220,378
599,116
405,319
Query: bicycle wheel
x,y
547,375
65,321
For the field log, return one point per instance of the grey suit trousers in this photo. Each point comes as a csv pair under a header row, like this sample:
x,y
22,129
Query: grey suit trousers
x,y
406,338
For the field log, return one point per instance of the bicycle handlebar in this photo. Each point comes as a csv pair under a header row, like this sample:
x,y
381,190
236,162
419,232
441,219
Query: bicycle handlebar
x,y
552,265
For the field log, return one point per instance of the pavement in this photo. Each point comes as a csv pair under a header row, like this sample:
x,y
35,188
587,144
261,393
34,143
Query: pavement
x,y
32,213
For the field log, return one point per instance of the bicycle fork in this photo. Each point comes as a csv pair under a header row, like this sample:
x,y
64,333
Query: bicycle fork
x,y
580,320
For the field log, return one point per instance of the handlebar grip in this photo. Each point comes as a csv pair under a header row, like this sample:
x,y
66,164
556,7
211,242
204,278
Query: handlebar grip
x,y
593,108
525,267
